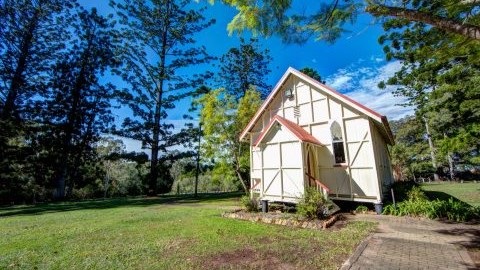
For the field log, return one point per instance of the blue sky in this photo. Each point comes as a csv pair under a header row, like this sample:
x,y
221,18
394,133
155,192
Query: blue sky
x,y
353,65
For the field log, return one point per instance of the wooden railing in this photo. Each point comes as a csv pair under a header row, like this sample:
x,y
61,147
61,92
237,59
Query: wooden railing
x,y
312,181
255,185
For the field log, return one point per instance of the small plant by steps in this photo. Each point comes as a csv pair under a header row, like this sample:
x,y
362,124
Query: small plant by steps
x,y
314,205
361,209
250,204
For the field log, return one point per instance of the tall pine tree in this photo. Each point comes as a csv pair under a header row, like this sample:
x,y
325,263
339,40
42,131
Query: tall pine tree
x,y
32,39
78,105
439,76
32,35
159,44
245,66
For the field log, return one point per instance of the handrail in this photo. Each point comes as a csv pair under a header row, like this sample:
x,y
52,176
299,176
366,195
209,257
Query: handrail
x,y
318,182
255,185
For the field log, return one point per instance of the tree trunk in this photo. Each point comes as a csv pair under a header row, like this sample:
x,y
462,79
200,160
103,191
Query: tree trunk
x,y
152,187
245,188
237,170
449,25
70,125
152,184
432,150
197,170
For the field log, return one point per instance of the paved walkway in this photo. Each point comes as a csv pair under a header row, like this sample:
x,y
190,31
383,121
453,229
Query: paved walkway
x,y
409,243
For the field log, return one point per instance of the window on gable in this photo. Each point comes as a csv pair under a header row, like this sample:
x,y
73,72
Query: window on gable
x,y
337,142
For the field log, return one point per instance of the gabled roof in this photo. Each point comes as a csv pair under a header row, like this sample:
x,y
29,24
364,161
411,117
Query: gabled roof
x,y
298,131
380,119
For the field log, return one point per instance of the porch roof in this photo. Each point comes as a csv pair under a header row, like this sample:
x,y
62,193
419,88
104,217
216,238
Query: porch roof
x,y
296,130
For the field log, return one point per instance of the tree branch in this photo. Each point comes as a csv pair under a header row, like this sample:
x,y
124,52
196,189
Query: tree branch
x,y
449,25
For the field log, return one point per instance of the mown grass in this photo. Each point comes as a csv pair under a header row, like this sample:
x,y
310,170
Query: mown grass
x,y
466,192
162,233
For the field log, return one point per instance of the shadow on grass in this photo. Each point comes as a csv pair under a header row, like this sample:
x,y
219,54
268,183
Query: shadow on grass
x,y
432,195
114,203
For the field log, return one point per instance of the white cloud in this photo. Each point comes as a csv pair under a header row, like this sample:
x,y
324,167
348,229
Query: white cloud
x,y
360,82
340,81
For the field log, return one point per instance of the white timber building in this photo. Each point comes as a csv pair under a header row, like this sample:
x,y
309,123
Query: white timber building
x,y
307,134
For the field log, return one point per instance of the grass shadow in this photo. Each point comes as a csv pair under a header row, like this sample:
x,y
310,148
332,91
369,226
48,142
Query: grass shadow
x,y
44,208
432,195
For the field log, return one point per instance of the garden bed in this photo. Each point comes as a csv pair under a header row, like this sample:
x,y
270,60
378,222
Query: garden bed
x,y
284,219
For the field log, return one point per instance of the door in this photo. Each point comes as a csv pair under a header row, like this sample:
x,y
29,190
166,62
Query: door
x,y
311,167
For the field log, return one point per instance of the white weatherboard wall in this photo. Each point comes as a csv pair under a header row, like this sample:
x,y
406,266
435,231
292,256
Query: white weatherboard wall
x,y
280,170
278,164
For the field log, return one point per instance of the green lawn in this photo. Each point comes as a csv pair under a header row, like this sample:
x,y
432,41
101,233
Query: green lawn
x,y
163,233
467,192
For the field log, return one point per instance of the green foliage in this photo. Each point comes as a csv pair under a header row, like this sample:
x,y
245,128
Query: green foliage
x,y
32,40
86,192
247,107
223,120
417,204
279,17
245,67
401,189
312,73
440,77
158,42
276,17
223,176
416,194
250,204
410,155
361,209
313,204
56,106
208,182
457,210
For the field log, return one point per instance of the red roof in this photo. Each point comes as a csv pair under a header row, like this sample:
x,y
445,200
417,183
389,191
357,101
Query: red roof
x,y
297,130
382,120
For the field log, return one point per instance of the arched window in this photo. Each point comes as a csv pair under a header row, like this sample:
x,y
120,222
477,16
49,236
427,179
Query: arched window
x,y
337,141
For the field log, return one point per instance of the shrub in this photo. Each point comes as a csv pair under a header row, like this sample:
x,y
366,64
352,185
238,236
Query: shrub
x,y
83,193
250,204
416,194
361,209
456,210
313,204
418,204
401,190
